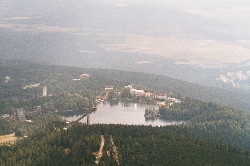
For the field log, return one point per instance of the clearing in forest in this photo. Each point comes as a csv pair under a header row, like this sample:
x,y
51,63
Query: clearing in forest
x,y
8,139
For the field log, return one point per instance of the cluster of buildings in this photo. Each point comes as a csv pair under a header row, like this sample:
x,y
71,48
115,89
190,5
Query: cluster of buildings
x,y
139,92
45,89
82,77
162,98
31,86
143,93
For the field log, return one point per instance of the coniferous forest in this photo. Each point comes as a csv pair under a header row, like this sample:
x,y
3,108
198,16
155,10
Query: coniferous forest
x,y
137,145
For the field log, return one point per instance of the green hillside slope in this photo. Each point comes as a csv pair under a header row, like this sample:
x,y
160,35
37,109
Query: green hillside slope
x,y
135,145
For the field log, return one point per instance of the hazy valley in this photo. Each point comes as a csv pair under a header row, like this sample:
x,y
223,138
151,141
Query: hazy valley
x,y
188,42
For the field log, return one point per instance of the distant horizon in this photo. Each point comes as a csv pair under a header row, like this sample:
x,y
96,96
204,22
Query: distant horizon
x,y
194,40
196,31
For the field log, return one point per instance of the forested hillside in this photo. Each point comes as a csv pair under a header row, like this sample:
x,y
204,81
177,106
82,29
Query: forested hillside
x,y
134,145
66,94
59,80
209,121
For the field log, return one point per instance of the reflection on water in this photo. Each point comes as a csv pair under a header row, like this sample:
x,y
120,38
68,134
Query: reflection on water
x,y
122,113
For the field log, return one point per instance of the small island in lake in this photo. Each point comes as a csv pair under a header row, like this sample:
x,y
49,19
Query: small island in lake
x,y
151,113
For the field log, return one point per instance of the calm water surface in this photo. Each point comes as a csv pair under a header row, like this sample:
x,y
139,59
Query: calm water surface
x,y
130,114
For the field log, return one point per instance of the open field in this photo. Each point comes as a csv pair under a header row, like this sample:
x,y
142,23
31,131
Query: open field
x,y
11,138
195,51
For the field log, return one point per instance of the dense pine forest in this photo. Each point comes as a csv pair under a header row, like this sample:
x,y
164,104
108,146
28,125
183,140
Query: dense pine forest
x,y
212,133
211,121
136,145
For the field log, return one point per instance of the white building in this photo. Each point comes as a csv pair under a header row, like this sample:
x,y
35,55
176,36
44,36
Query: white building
x,y
32,86
109,89
174,100
84,76
136,92
129,87
45,91
162,96
7,79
